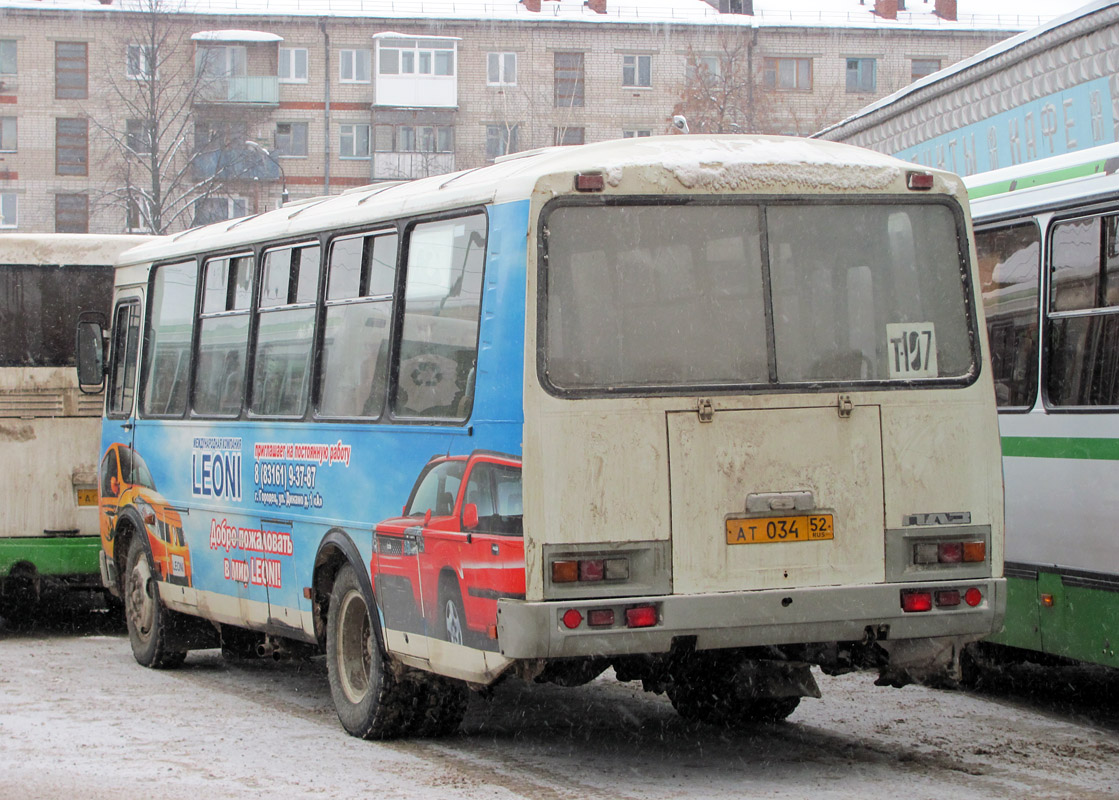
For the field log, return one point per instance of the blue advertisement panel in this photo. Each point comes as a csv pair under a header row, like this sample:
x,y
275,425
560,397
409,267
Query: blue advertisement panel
x,y
235,509
1074,119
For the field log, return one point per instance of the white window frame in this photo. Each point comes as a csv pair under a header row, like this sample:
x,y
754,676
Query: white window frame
x,y
9,210
501,64
306,139
11,126
349,131
290,62
12,45
633,65
350,63
636,133
136,59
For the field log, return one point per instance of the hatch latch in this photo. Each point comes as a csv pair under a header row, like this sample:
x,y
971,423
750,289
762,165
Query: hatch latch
x,y
845,406
706,409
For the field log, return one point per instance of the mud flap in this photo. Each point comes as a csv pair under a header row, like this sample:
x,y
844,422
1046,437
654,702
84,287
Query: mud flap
x,y
920,660
775,679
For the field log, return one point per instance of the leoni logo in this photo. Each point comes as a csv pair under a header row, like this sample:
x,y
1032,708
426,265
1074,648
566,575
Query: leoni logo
x,y
939,518
215,464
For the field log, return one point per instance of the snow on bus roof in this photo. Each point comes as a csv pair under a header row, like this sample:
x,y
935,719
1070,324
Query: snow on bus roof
x,y
680,163
1009,15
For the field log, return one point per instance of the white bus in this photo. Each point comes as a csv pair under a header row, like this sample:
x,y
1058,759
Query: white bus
x,y
705,410
1047,237
49,429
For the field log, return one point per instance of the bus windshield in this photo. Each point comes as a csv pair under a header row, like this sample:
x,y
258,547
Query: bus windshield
x,y
640,296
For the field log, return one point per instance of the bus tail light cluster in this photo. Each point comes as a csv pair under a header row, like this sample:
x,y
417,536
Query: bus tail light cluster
x,y
642,616
590,570
925,553
915,600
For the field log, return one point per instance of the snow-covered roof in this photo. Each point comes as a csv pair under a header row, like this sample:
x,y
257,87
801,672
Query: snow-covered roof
x,y
982,56
1009,15
395,35
236,36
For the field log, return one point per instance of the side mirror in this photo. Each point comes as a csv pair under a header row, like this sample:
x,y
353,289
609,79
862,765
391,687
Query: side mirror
x,y
90,349
470,517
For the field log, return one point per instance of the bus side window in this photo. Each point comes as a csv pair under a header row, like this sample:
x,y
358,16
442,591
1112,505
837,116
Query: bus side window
x,y
169,339
223,335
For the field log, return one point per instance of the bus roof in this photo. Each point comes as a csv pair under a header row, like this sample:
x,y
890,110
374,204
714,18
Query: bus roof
x,y
698,164
1052,181
72,249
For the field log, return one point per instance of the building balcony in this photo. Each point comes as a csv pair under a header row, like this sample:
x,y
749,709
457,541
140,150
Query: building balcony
x,y
253,89
406,166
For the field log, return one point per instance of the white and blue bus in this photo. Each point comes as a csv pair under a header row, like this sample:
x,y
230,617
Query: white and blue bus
x,y
705,410
1047,237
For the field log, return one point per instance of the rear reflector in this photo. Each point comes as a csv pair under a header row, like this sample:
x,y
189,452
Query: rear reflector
x,y
920,600
641,617
973,597
572,618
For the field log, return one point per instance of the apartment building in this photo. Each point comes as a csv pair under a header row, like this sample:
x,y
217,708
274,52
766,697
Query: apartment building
x,y
139,115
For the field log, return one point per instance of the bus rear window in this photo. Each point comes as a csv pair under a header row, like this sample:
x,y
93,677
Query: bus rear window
x,y
39,310
646,296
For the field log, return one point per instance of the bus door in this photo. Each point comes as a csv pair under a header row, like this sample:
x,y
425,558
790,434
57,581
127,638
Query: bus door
x,y
120,411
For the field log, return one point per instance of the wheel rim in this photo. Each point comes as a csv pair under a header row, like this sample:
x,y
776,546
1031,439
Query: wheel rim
x,y
355,647
141,603
452,622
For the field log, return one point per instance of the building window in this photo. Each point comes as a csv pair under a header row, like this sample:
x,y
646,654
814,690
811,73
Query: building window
x,y
637,71
788,74
637,133
567,136
9,142
8,51
291,139
703,68
568,79
140,62
134,219
923,66
71,213
354,141
71,70
860,75
220,62
293,65
501,140
416,57
501,69
8,208
353,66
71,147
139,136
414,138
218,209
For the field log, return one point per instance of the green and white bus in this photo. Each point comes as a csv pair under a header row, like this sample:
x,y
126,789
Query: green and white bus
x,y
1047,239
49,429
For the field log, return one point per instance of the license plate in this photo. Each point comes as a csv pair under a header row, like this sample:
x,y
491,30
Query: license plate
x,y
767,530
87,497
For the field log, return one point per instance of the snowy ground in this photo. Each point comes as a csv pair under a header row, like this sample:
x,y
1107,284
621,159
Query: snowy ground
x,y
79,718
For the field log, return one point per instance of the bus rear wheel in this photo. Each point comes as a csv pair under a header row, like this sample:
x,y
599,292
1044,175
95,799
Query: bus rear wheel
x,y
371,701
147,619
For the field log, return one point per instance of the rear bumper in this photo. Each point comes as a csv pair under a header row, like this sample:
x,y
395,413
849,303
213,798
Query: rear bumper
x,y
743,619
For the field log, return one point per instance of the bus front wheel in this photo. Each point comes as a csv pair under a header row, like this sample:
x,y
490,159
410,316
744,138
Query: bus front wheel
x,y
371,701
148,621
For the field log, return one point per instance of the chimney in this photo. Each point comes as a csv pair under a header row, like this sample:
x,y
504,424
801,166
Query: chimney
x,y
901,5
532,5
946,9
887,9
597,6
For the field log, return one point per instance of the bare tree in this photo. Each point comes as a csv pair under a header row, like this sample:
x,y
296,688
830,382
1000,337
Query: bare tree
x,y
158,170
719,93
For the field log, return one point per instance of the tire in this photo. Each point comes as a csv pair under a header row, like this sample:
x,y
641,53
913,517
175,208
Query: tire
x,y
452,618
148,621
371,701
